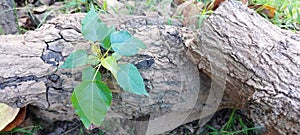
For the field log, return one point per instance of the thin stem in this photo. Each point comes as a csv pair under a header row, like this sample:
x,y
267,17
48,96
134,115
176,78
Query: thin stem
x,y
98,67
106,53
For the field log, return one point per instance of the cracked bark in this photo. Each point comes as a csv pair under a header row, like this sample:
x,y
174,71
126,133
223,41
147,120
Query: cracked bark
x,y
237,60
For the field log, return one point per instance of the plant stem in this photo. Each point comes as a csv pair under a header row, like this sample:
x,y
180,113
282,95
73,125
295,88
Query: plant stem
x,y
102,56
98,67
106,53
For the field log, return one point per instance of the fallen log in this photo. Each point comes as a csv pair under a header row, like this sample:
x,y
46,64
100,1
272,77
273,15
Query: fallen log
x,y
236,60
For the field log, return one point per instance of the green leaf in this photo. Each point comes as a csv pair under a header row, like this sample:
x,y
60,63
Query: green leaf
x,y
110,64
93,28
75,59
130,79
91,101
93,60
88,74
116,56
119,36
124,44
106,42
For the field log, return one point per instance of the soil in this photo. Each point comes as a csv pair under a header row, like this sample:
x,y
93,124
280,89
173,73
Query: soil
x,y
218,121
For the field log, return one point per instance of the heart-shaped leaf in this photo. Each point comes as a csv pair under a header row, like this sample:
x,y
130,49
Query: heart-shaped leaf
x,y
93,28
124,44
91,100
89,73
75,59
130,79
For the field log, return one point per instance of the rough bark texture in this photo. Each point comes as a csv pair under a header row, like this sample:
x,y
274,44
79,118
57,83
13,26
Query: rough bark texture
x,y
261,63
237,59
8,22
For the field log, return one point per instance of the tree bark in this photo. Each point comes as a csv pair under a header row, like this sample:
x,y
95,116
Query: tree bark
x,y
237,60
8,22
261,64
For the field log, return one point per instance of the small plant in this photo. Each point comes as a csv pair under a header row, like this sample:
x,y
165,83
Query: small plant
x,y
79,5
229,128
30,130
92,98
204,14
287,12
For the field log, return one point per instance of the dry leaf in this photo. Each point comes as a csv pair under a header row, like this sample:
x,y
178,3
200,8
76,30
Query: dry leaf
x,y
39,10
7,115
244,2
214,5
191,14
26,22
17,121
183,6
190,11
264,9
178,2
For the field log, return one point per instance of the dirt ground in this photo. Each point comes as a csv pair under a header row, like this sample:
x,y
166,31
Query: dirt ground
x,y
218,121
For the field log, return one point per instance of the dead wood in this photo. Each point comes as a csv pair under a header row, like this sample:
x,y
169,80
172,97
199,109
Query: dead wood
x,y
237,60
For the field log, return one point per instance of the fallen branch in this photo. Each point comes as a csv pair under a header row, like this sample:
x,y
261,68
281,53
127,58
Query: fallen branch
x,y
236,60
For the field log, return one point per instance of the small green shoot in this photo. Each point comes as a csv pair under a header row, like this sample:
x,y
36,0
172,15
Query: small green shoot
x,y
92,98
229,128
204,14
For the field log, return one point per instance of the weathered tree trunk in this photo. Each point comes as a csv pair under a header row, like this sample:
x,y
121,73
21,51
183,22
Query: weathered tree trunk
x,y
8,22
237,59
261,64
